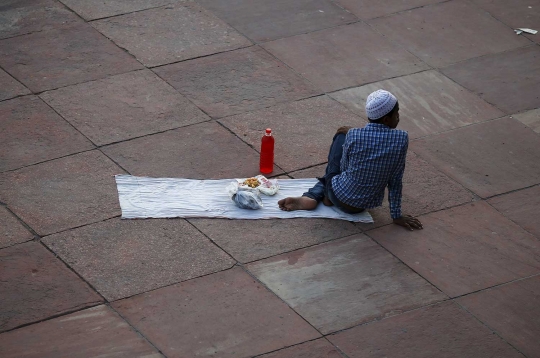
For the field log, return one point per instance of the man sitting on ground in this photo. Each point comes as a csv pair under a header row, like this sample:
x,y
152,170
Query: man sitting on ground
x,y
362,162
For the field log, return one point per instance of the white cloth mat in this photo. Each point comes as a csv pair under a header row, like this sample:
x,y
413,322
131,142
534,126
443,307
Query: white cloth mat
x,y
142,197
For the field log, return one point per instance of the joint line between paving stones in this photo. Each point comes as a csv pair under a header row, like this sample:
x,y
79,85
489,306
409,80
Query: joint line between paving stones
x,y
26,226
491,329
47,160
80,226
412,269
293,345
245,269
67,312
103,299
213,242
171,2
136,330
496,286
513,191
199,57
304,247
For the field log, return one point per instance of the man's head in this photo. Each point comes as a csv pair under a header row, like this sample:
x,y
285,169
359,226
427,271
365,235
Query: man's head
x,y
383,107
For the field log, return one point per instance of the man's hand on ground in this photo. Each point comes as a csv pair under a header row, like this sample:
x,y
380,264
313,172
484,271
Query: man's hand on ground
x,y
409,222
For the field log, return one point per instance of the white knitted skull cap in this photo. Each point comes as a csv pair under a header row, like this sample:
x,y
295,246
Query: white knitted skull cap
x,y
379,104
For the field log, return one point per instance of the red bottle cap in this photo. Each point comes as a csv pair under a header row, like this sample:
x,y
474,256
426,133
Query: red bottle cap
x,y
268,130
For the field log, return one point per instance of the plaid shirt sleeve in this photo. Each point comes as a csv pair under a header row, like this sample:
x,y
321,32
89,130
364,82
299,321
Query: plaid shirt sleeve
x,y
395,185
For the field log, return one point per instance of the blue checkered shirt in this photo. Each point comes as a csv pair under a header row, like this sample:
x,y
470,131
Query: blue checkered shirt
x,y
373,158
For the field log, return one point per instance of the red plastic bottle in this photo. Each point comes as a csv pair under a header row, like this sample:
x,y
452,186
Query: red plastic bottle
x,y
267,152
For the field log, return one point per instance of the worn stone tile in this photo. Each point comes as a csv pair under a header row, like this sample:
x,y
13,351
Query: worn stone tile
x,y
425,189
121,258
319,348
94,332
443,330
344,56
366,9
303,130
91,10
509,80
428,103
36,285
201,151
344,283
11,230
263,20
449,32
139,102
489,158
250,240
32,132
512,311
530,118
19,17
227,314
235,82
61,57
170,34
464,249
521,207
10,87
521,13
63,193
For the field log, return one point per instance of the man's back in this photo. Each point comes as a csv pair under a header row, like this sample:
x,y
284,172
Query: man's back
x,y
373,157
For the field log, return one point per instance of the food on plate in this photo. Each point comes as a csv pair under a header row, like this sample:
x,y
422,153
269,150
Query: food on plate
x,y
251,182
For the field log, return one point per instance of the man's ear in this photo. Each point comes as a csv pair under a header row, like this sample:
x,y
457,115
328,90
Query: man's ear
x,y
386,120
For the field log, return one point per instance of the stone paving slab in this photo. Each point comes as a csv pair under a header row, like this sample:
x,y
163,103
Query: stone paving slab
x,y
121,258
319,348
21,17
124,106
509,80
63,193
530,118
35,286
94,332
12,231
343,283
263,20
488,158
449,32
443,330
32,132
91,10
61,57
521,207
227,314
344,56
235,82
10,87
303,130
428,103
366,9
172,33
250,240
464,249
522,13
512,311
201,151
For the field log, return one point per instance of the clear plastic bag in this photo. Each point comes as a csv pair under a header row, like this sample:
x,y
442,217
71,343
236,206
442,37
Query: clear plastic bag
x,y
244,198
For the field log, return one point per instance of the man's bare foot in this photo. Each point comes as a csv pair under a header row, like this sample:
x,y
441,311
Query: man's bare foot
x,y
327,202
298,203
